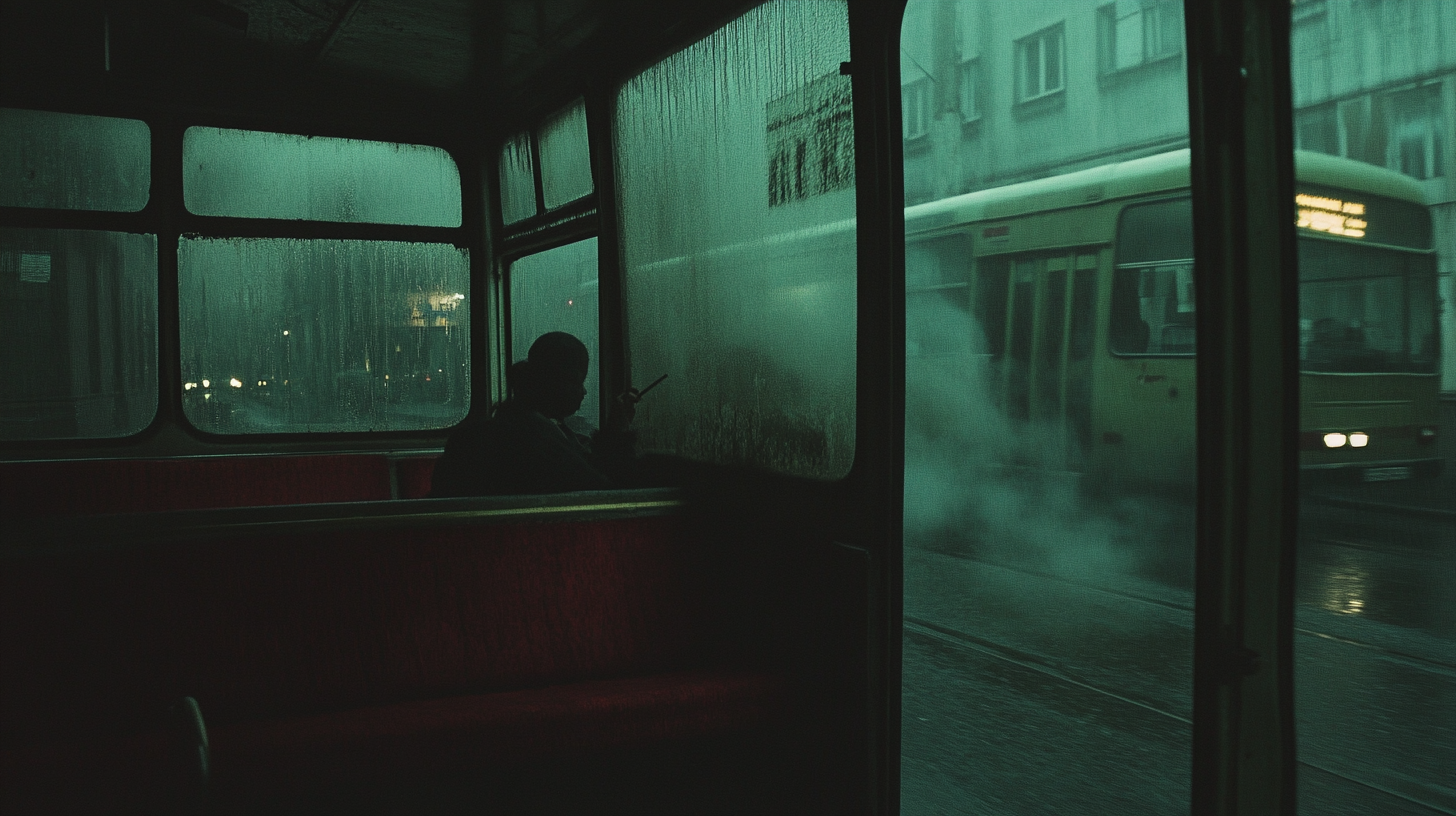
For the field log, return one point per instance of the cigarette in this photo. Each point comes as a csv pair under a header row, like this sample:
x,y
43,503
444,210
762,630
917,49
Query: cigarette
x,y
652,386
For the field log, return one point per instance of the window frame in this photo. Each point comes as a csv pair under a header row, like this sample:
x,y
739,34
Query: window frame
x,y
166,216
1107,30
970,69
1351,137
587,217
915,98
191,225
1241,136
1056,33
146,221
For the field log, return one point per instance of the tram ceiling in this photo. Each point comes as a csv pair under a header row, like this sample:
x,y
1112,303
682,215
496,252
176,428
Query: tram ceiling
x,y
393,54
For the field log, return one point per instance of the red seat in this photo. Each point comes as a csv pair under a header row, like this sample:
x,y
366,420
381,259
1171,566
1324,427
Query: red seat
x,y
92,486
322,655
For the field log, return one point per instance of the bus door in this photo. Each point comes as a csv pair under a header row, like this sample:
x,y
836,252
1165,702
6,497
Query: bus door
x,y
1037,311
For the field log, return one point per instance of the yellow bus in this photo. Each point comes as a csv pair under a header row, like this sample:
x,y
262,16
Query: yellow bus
x,y
1081,289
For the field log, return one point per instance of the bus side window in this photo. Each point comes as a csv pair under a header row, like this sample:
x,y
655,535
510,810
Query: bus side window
x,y
1128,332
1152,309
1084,293
991,284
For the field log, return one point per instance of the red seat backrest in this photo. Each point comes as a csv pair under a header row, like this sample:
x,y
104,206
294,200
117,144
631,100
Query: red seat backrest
x,y
412,475
84,487
269,625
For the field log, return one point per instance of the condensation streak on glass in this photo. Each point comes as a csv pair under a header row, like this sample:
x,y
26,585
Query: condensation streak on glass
x,y
72,162
78,321
517,180
565,157
255,174
1050,434
556,290
735,179
286,336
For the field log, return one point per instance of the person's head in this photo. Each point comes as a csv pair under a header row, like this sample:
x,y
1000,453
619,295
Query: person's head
x,y
552,378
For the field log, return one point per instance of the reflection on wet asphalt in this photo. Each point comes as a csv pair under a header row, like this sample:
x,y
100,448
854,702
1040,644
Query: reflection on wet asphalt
x,y
1392,569
1030,687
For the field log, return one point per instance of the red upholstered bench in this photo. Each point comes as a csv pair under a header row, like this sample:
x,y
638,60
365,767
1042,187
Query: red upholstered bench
x,y
323,655
412,475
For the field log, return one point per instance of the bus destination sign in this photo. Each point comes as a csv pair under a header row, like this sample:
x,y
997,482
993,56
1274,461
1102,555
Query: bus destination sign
x,y
1331,215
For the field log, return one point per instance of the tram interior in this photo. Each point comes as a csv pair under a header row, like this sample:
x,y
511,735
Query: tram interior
x,y
703,674
229,366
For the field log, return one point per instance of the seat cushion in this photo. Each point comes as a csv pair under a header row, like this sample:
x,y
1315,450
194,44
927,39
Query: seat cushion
x,y
298,757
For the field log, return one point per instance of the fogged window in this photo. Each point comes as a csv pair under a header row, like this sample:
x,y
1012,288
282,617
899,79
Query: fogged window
x,y
284,335
517,180
253,174
811,141
78,321
1152,309
556,290
559,151
738,249
72,162
565,158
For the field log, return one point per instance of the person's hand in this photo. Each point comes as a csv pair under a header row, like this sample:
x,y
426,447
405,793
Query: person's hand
x,y
623,411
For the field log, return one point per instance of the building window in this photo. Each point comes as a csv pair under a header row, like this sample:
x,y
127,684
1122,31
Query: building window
x,y
1039,61
1402,130
1415,145
970,90
915,108
1315,129
1136,32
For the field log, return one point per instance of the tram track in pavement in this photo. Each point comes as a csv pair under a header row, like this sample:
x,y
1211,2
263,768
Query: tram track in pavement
x,y
1417,661
965,641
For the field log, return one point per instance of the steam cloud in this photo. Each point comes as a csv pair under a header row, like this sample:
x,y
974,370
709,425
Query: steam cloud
x,y
978,483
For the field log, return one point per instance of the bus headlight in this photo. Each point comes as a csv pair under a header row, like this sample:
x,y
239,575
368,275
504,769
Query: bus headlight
x,y
1334,440
1359,439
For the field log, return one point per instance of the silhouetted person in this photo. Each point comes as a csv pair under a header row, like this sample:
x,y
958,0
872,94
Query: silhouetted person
x,y
525,445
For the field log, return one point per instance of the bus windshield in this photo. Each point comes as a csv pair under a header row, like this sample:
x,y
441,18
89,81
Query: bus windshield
x,y
1365,309
1362,309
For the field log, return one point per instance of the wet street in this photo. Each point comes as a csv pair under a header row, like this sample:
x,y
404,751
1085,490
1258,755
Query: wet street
x,y
1054,676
